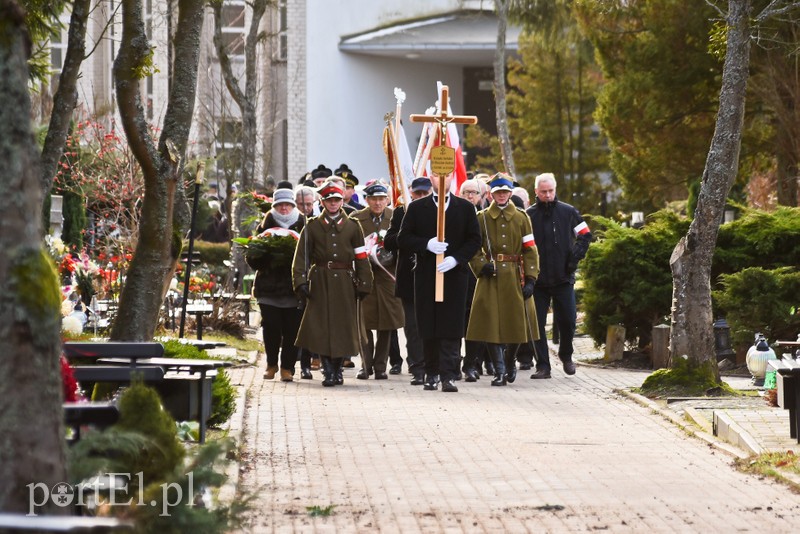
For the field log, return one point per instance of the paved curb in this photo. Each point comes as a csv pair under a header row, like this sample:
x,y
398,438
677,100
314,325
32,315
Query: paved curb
x,y
726,429
233,429
690,428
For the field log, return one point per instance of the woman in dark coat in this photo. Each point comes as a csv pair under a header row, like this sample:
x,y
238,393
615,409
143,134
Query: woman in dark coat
x,y
280,307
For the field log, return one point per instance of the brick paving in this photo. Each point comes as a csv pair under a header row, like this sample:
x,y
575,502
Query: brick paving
x,y
560,455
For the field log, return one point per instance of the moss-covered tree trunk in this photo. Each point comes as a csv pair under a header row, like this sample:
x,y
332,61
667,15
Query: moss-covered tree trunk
x,y
164,217
692,332
31,429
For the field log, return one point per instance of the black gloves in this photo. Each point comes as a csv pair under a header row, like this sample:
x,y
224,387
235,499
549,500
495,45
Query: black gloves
x,y
527,289
487,270
302,291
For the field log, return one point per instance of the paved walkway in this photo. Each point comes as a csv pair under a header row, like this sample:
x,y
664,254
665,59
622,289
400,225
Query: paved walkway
x,y
560,455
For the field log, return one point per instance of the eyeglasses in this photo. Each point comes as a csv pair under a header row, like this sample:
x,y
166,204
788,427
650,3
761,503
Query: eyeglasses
x,y
470,193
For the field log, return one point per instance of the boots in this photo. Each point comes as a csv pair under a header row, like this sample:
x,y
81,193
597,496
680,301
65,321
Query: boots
x,y
511,364
271,370
287,375
327,372
498,360
338,378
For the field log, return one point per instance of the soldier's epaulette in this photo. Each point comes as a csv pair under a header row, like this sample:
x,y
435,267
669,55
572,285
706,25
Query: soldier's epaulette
x,y
522,210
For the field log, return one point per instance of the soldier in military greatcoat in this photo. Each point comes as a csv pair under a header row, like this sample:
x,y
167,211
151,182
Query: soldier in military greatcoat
x,y
331,271
380,310
506,266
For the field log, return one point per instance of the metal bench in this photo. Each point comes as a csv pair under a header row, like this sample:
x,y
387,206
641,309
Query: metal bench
x,y
97,414
787,378
13,523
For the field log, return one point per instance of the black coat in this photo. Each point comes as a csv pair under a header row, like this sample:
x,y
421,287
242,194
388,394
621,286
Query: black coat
x,y
562,238
404,273
463,236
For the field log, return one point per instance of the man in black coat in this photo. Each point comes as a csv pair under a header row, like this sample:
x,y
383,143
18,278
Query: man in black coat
x,y
562,238
441,324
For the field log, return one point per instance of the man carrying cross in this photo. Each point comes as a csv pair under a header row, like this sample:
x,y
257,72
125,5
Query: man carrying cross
x,y
441,324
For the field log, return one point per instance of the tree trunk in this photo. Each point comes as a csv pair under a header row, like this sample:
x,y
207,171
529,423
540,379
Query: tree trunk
x,y
164,215
692,333
246,101
500,87
31,428
66,94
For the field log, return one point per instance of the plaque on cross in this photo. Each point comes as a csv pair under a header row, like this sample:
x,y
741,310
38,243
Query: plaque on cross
x,y
443,162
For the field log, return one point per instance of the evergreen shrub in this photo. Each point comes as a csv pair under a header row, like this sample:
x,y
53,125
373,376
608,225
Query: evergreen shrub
x,y
223,394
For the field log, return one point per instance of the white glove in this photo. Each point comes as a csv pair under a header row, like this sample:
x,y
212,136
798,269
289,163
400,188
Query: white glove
x,y
448,263
436,246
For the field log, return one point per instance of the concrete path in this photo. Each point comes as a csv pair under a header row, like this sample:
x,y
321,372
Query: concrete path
x,y
560,455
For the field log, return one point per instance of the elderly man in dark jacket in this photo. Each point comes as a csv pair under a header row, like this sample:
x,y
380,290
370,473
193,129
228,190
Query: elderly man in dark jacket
x,y
562,238
441,324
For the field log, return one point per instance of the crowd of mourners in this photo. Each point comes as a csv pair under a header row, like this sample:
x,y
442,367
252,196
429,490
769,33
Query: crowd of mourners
x,y
361,272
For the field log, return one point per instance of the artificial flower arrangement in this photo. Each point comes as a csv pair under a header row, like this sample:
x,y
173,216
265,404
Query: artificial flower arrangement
x,y
376,251
271,249
263,202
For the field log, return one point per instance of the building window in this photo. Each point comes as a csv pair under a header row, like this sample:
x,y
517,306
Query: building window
x,y
233,36
282,45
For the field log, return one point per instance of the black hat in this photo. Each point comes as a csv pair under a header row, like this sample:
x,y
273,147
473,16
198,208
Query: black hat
x,y
284,184
306,177
321,172
376,188
421,184
347,173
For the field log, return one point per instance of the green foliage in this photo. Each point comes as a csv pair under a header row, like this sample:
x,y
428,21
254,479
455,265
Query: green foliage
x,y
758,239
659,101
320,511
760,300
41,18
74,220
110,451
223,394
684,379
626,275
627,278
192,483
551,101
140,411
213,254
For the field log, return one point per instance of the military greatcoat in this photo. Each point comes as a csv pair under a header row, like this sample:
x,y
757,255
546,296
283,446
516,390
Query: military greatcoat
x,y
499,313
329,325
381,310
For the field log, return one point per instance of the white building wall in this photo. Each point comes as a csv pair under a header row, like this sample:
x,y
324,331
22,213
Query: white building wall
x,y
345,96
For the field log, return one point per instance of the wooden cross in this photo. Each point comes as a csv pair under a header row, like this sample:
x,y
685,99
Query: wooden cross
x,y
443,162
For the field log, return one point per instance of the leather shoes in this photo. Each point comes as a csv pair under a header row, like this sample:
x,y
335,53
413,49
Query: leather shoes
x,y
471,375
381,376
417,381
305,373
363,374
449,386
396,369
541,374
569,367
511,373
349,364
432,383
